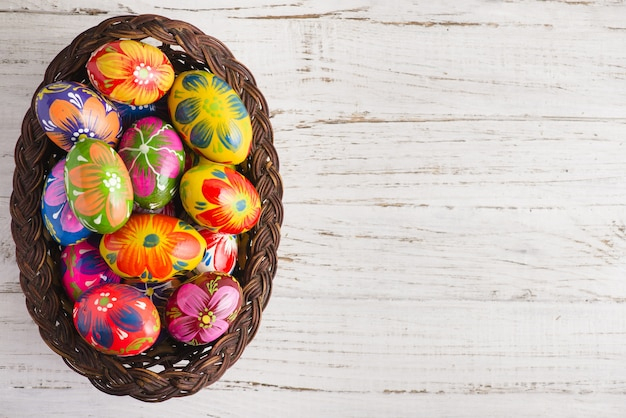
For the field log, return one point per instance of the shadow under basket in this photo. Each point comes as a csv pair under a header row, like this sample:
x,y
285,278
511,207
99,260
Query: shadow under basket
x,y
168,369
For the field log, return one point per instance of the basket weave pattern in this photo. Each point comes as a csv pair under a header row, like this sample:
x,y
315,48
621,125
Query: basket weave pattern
x,y
169,369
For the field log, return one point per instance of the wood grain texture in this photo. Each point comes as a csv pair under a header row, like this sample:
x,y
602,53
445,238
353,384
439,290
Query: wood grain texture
x,y
455,232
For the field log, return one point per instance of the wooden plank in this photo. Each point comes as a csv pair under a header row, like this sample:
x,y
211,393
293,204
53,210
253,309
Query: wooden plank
x,y
454,214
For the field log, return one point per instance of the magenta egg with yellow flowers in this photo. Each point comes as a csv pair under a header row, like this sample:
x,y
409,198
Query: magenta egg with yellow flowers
x,y
152,247
220,198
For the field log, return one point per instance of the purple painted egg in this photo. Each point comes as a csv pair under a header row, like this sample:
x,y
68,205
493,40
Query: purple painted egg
x,y
116,318
69,111
221,252
153,153
202,309
57,214
82,268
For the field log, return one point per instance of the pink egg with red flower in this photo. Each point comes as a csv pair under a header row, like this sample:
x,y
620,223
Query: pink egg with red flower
x,y
117,319
202,309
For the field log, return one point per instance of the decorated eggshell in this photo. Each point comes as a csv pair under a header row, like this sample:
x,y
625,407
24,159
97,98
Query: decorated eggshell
x,y
153,247
98,186
131,113
201,309
220,198
221,252
154,156
117,319
82,268
130,72
58,217
69,111
210,117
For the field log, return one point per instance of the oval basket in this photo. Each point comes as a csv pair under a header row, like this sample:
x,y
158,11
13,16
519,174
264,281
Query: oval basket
x,y
169,369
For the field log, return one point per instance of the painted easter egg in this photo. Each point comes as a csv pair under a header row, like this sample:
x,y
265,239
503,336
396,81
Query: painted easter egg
x,y
116,318
153,247
69,111
201,310
57,214
210,117
220,198
132,113
154,156
98,186
221,252
131,72
82,268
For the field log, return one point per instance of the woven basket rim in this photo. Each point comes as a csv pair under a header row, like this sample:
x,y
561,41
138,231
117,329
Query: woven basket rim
x,y
169,369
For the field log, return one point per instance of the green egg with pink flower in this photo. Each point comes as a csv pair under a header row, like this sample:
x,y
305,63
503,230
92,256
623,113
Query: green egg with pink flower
x,y
98,186
202,309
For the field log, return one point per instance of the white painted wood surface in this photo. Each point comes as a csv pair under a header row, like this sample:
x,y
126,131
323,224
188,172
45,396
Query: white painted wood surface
x,y
454,242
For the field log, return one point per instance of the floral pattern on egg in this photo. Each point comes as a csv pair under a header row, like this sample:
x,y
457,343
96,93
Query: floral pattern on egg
x,y
153,153
221,252
69,111
130,72
153,247
117,319
220,198
98,186
201,310
210,117
57,214
82,268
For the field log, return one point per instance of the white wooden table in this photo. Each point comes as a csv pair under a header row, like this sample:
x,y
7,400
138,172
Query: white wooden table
x,y
454,242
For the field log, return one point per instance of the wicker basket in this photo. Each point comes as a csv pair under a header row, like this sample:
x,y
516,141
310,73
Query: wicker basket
x,y
169,369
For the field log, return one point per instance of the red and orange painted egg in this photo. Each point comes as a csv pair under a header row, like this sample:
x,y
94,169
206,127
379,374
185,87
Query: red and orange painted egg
x,y
117,319
82,268
58,217
154,156
202,309
153,247
98,186
69,111
220,198
210,117
221,252
130,72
